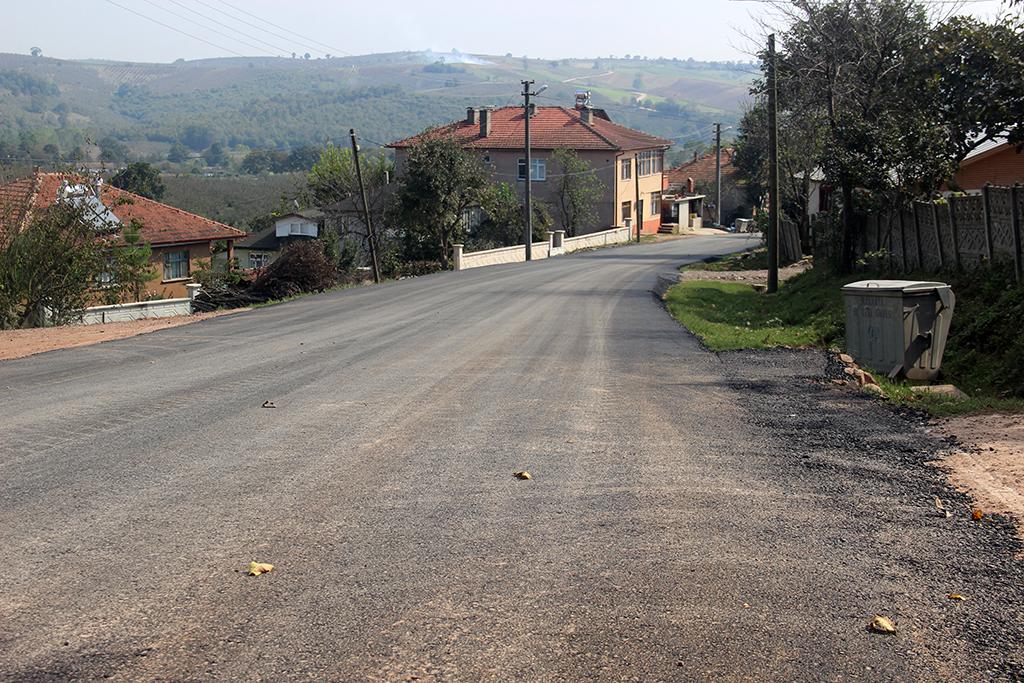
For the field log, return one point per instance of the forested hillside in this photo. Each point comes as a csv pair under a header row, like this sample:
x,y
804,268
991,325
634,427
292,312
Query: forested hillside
x,y
52,108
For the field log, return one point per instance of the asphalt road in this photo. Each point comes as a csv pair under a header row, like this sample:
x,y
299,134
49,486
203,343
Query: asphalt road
x,y
690,517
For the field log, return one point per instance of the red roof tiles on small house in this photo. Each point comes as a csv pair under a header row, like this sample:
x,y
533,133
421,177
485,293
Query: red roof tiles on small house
x,y
162,225
551,128
702,169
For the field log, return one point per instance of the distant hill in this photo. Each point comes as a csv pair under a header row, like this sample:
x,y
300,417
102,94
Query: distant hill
x,y
50,107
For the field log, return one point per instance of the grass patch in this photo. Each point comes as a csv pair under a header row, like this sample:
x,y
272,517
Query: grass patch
x,y
804,313
984,355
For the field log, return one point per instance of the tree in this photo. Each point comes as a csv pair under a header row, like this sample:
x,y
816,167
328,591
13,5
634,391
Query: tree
x,y
303,158
333,187
259,160
975,75
847,66
179,153
505,219
140,178
130,266
49,268
440,180
576,191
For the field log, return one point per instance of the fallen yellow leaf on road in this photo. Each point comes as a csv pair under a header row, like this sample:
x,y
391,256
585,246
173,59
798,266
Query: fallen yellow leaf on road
x,y
522,475
883,624
257,568
954,596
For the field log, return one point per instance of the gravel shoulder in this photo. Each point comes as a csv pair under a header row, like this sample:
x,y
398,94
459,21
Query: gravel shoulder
x,y
986,454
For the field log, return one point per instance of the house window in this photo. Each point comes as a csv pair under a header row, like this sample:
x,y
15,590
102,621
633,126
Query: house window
x,y
538,169
655,203
176,265
644,163
258,260
627,212
627,169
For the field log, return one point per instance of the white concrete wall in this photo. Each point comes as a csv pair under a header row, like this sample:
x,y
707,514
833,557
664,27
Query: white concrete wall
x,y
166,308
539,250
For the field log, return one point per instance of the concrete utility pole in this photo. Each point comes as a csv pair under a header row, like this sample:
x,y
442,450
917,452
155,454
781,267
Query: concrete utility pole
x,y
528,234
528,237
718,174
639,218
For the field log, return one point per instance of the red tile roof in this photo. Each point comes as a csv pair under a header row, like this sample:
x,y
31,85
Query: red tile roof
x,y
550,128
161,224
702,169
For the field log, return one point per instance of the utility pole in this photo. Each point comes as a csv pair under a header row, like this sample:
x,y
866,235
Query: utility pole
x,y
718,174
528,234
639,218
773,170
366,208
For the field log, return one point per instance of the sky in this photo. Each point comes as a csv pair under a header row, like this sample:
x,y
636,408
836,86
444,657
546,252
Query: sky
x,y
162,31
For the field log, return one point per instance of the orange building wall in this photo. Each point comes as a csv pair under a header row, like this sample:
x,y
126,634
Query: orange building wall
x,y
1003,167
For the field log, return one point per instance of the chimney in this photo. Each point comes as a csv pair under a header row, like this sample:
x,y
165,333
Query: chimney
x,y
695,156
472,115
485,122
689,186
587,115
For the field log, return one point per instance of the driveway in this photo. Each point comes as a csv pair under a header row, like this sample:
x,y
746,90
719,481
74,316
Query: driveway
x,y
690,516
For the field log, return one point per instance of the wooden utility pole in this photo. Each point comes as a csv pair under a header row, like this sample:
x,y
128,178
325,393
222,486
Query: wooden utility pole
x,y
366,208
773,171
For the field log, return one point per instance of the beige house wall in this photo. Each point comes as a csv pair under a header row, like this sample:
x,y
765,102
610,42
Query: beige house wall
x,y
625,192
176,288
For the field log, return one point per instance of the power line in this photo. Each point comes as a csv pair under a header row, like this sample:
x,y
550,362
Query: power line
x,y
189,9
281,28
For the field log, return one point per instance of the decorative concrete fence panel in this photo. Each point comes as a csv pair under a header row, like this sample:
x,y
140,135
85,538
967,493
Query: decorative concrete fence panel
x,y
166,308
556,244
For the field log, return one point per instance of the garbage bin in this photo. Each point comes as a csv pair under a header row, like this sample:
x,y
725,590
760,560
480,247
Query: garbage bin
x,y
898,326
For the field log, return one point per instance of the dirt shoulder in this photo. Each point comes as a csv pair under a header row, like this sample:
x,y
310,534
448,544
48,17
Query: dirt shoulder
x,y
21,343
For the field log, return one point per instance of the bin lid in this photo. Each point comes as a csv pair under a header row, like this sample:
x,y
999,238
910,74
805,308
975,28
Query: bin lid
x,y
907,286
903,287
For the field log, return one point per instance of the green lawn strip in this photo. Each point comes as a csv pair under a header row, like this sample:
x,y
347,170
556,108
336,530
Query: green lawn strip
x,y
729,315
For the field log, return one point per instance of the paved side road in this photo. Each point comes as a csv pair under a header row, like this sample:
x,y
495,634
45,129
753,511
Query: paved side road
x,y
690,517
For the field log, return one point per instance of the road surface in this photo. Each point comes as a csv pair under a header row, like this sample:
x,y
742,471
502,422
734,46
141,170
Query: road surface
x,y
690,516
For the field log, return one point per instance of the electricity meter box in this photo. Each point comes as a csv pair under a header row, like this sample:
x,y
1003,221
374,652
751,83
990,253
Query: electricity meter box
x,y
898,326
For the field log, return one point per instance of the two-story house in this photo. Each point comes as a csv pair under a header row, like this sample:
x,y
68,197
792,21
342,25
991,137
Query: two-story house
x,y
629,163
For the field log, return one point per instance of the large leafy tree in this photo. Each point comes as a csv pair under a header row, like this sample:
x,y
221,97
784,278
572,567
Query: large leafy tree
x,y
505,219
140,178
849,65
440,180
49,268
576,192
332,185
974,73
